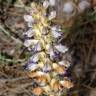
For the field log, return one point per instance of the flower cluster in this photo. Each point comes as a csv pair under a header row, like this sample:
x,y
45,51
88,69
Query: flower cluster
x,y
46,65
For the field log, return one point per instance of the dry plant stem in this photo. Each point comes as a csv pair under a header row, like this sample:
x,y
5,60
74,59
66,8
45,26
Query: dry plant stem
x,y
15,88
20,87
88,87
8,34
14,61
11,86
13,80
90,50
1,73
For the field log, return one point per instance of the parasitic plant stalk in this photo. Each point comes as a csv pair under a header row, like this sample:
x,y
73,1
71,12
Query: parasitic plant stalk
x,y
47,66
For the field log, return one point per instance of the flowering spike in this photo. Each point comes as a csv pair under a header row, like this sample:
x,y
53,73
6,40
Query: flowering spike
x,y
47,66
44,42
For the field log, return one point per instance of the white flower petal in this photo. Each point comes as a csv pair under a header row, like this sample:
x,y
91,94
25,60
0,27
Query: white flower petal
x,y
28,18
52,15
56,31
52,2
66,83
34,58
29,42
51,53
37,47
47,67
61,62
30,24
56,34
32,66
61,48
29,33
40,73
56,28
64,63
46,4
49,50
68,7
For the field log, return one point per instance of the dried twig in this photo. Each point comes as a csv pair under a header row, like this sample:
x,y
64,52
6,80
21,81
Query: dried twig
x,y
8,34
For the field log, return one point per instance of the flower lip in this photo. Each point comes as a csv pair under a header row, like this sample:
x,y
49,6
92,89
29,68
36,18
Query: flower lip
x,y
30,42
34,58
47,68
32,62
63,74
35,48
28,18
29,33
64,63
54,54
61,48
52,15
45,4
56,31
56,28
31,66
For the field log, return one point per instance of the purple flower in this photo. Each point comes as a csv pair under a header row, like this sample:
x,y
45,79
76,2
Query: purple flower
x,y
37,47
56,31
61,48
56,55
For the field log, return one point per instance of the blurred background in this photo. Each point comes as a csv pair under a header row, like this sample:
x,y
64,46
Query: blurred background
x,y
13,54
13,79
